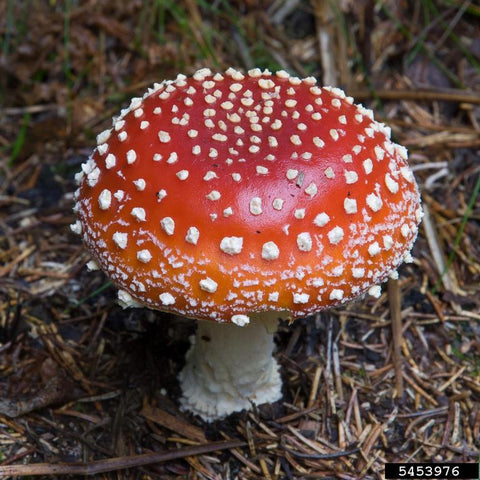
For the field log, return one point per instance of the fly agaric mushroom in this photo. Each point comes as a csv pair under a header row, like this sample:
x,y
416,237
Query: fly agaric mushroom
x,y
239,198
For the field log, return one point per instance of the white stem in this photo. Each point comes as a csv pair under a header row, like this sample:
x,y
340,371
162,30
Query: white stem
x,y
229,367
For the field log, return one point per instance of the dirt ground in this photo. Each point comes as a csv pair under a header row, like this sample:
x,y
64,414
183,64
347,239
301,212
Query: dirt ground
x,y
83,381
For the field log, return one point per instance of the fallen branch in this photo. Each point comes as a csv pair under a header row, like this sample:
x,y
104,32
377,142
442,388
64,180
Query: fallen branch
x,y
117,463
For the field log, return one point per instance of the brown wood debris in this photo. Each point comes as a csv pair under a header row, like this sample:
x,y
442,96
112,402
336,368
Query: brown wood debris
x,y
87,388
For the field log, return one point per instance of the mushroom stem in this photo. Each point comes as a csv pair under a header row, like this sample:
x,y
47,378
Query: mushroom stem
x,y
229,367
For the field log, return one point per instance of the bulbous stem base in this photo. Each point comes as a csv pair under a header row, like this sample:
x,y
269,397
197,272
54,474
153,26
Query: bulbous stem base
x,y
229,368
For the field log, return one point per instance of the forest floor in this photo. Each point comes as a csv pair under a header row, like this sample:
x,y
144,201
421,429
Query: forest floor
x,y
83,381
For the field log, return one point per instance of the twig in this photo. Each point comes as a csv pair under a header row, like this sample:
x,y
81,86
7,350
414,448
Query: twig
x,y
417,95
22,256
437,254
314,389
397,333
451,379
425,413
327,38
116,463
172,422
328,369
420,390
336,370
278,13
264,467
241,457
321,456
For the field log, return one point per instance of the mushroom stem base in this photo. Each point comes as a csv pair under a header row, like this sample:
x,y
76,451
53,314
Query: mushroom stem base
x,y
229,368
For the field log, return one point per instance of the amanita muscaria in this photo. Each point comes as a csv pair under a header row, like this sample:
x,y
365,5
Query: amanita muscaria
x,y
236,199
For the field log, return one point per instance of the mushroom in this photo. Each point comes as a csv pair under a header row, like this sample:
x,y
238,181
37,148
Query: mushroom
x,y
236,199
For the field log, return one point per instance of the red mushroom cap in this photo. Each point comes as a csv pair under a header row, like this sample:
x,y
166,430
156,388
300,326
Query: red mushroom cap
x,y
220,195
